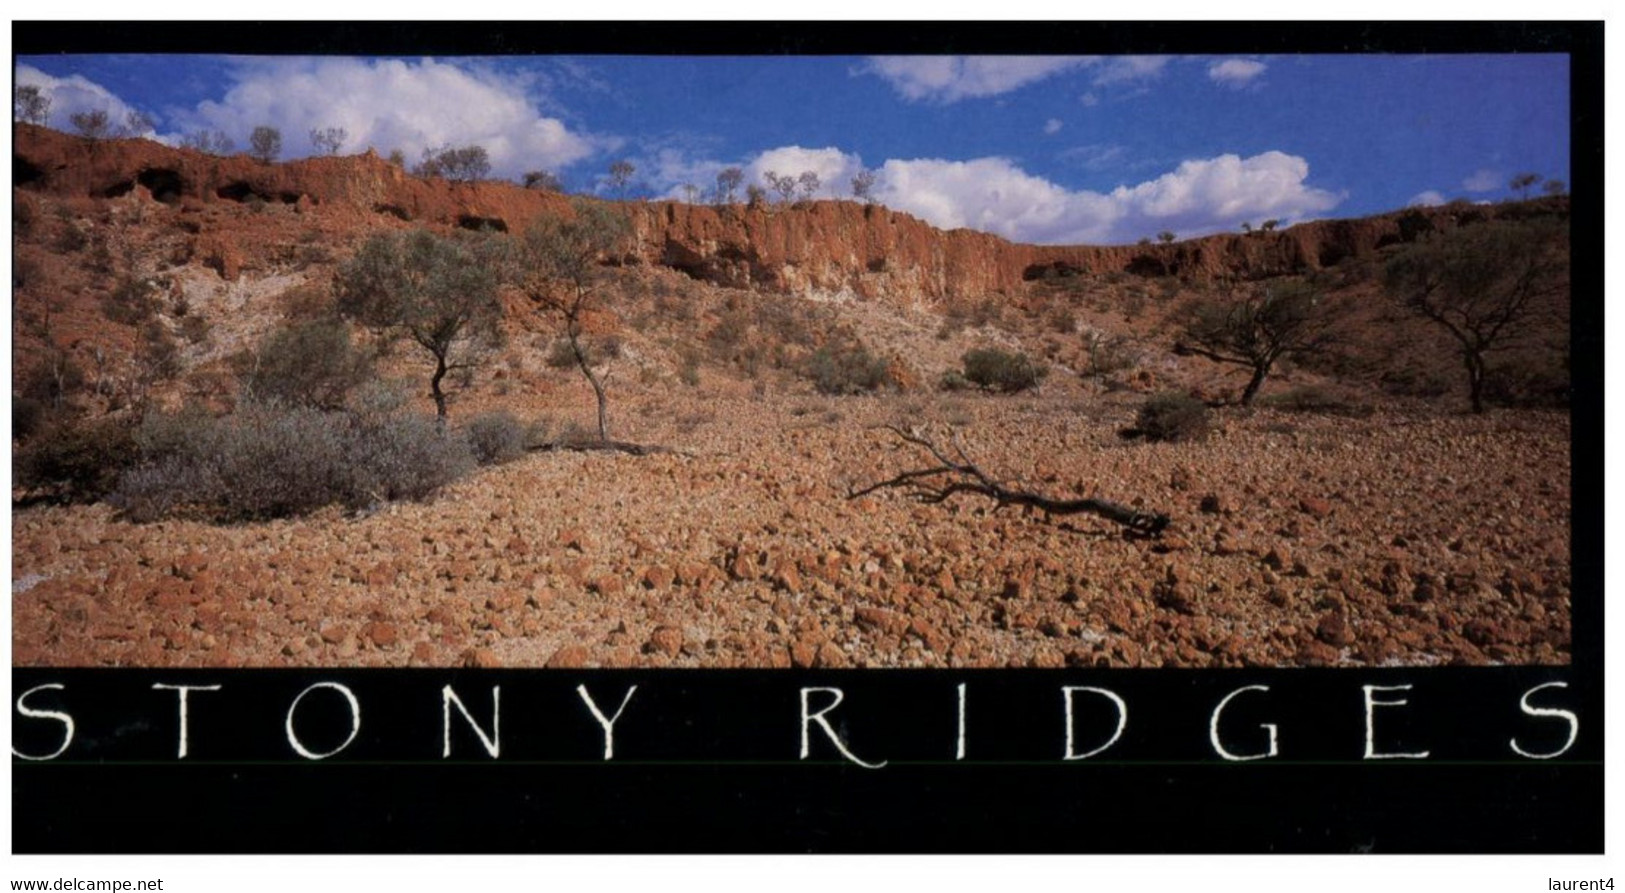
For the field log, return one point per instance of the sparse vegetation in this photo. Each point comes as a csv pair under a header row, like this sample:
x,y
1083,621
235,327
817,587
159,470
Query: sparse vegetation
x,y
93,124
466,164
496,437
846,366
1481,284
1006,372
557,264
328,140
30,105
1172,416
1258,328
265,144
544,181
728,180
305,363
438,292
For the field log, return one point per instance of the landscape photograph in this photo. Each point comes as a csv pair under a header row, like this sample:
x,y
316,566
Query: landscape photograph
x,y
792,361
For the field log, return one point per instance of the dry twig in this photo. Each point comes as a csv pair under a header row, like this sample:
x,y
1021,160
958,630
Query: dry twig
x,y
950,476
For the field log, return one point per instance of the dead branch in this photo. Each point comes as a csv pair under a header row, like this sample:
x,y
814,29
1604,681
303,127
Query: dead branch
x,y
606,446
952,475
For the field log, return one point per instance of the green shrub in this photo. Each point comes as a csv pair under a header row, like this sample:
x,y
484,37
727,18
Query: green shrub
x,y
495,438
1002,371
78,462
305,363
954,380
1172,416
846,368
270,460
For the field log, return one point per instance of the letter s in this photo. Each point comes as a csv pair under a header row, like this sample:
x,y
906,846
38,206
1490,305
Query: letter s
x,y
65,719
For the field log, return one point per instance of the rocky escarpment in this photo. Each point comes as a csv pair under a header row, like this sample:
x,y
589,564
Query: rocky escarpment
x,y
832,247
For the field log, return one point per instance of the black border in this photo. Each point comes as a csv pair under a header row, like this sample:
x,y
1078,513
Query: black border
x,y
1151,805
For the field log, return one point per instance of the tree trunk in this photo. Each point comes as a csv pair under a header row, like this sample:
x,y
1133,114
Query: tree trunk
x,y
1475,380
592,379
434,388
1259,372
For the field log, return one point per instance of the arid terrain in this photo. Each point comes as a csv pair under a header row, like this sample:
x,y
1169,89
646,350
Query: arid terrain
x,y
1355,514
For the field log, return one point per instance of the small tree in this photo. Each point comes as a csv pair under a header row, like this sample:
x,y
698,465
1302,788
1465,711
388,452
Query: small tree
x,y
808,181
1257,330
785,186
213,142
1269,225
728,181
1166,236
863,184
1521,183
1481,284
93,124
690,192
1246,227
558,266
755,196
30,106
136,123
620,174
328,140
543,180
439,292
1554,187
265,144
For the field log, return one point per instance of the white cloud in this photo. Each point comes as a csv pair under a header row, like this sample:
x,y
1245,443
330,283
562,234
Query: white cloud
x,y
1053,126
1089,100
1429,199
392,104
72,95
1482,180
1200,196
1235,73
1129,69
995,195
947,79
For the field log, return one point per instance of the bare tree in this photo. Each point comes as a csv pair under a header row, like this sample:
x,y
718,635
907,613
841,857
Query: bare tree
x,y
1481,284
93,124
328,140
728,180
214,142
808,181
1258,329
265,144
137,123
439,292
465,163
31,106
863,185
559,266
543,180
620,174
957,473
1521,183
785,186
690,192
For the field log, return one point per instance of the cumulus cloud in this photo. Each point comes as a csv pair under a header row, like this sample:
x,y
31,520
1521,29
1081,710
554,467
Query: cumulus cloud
x,y
1235,73
1053,126
1095,156
392,104
1429,199
1199,196
995,195
72,95
1089,100
1482,180
946,79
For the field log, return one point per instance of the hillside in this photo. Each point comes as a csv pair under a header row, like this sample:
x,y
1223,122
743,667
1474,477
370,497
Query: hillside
x,y
1354,515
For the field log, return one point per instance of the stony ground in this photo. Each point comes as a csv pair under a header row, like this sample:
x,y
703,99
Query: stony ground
x,y
1296,539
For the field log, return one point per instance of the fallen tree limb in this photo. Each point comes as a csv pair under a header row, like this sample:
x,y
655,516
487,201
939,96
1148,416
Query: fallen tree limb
x,y
604,446
950,476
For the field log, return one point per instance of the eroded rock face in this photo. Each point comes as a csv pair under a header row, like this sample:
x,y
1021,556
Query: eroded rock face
x,y
826,247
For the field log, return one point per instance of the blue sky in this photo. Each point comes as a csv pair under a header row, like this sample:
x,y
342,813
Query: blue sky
x,y
1046,149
